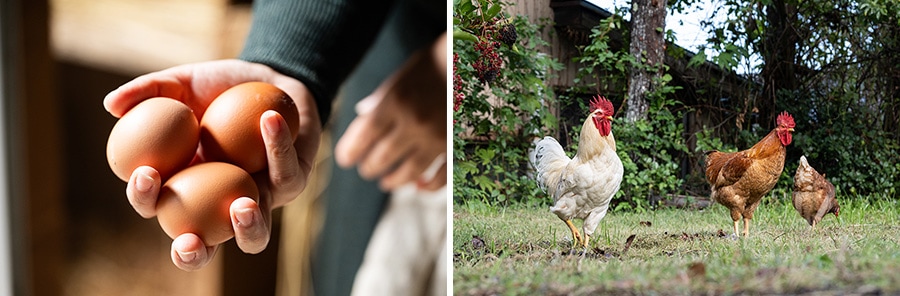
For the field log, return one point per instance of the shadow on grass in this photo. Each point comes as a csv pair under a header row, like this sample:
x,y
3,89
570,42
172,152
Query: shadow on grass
x,y
478,246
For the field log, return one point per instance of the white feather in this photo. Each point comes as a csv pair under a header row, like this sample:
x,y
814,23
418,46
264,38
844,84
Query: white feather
x,y
581,187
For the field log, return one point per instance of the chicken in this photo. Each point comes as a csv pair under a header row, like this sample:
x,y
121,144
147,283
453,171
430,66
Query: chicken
x,y
738,180
581,187
813,195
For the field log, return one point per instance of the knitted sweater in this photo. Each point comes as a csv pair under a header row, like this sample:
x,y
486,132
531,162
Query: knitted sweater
x,y
315,41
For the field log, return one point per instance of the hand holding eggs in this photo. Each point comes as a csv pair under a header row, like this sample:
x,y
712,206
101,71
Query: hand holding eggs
x,y
164,134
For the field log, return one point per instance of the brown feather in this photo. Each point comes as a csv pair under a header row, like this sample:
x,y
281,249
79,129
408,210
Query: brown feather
x,y
813,195
738,180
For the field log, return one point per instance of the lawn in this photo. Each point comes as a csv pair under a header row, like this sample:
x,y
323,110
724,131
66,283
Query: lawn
x,y
527,250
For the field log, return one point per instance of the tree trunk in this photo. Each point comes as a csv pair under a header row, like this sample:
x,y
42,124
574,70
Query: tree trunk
x,y
892,67
779,53
648,47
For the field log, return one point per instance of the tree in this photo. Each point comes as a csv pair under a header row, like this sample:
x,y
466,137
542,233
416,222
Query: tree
x,y
834,65
779,51
648,47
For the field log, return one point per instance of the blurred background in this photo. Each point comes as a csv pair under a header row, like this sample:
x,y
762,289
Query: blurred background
x,y
70,228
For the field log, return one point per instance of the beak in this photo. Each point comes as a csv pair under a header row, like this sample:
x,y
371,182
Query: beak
x,y
610,118
791,129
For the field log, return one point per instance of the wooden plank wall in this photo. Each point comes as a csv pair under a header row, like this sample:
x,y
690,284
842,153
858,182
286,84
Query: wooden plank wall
x,y
560,48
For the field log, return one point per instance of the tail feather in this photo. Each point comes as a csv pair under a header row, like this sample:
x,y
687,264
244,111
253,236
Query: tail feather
x,y
549,159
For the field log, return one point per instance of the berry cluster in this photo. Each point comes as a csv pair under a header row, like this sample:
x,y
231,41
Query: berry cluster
x,y
508,34
489,34
488,64
457,87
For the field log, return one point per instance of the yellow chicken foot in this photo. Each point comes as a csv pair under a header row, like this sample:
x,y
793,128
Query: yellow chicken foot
x,y
736,225
575,234
746,227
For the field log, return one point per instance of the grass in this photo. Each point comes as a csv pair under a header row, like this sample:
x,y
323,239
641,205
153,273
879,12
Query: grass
x,y
529,251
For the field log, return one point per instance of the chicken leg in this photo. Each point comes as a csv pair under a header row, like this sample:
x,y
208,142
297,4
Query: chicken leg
x,y
575,234
746,227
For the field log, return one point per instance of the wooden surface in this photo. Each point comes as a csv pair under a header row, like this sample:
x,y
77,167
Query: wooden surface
x,y
301,223
35,153
136,36
560,48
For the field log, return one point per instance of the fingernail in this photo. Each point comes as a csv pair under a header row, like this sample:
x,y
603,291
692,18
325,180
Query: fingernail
x,y
187,257
273,125
366,105
143,183
244,217
433,168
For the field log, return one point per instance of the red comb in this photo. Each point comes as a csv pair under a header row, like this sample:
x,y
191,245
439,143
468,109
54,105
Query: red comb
x,y
785,119
601,103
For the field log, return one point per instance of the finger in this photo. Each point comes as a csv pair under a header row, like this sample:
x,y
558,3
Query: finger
x,y
251,231
143,189
189,253
438,180
368,104
285,176
157,84
360,135
408,171
385,155
307,143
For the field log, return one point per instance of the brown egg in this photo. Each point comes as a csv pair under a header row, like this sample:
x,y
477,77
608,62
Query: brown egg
x,y
229,129
197,200
159,132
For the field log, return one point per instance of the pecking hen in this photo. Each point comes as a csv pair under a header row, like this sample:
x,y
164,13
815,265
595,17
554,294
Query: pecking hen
x,y
739,180
581,187
813,195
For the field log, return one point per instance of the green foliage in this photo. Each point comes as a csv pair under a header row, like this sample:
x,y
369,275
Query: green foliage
x,y
880,9
650,151
496,122
839,140
601,67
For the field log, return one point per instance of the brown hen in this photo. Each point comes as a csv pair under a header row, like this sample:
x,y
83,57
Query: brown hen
x,y
738,180
813,194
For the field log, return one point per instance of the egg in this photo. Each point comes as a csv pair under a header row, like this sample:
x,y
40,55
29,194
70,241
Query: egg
x,y
197,200
229,129
159,132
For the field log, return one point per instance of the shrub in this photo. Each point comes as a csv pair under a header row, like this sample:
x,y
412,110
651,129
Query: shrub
x,y
497,115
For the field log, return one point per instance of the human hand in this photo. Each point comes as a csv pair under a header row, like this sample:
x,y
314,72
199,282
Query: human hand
x,y
289,161
399,134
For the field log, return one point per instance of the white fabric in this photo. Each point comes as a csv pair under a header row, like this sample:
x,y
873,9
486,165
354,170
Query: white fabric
x,y
407,253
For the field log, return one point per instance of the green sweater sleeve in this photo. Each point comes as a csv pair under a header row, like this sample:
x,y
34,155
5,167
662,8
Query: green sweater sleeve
x,y
315,41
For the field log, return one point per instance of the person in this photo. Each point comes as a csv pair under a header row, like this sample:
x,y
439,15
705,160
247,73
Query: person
x,y
395,51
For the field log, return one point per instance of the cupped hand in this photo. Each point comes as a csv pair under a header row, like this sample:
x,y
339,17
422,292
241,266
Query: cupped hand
x,y
289,161
399,134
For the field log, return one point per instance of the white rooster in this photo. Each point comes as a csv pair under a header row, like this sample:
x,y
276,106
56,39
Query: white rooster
x,y
582,186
